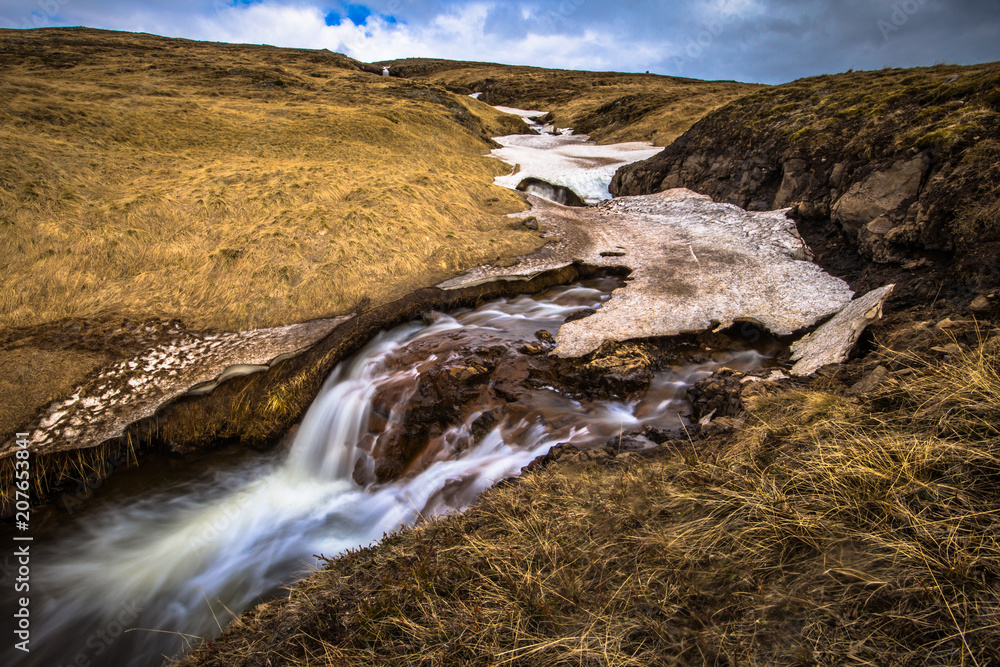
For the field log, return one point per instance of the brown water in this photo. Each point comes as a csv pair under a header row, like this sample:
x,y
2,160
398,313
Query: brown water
x,y
165,554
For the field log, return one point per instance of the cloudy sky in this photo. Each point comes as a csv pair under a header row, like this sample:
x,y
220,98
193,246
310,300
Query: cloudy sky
x,y
770,41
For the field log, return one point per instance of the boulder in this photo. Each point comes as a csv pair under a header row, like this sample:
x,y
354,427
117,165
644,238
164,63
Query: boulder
x,y
880,194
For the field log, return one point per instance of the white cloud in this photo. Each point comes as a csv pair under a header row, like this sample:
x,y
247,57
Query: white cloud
x,y
460,33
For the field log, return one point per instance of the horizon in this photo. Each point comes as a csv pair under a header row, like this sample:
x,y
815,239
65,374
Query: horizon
x,y
752,41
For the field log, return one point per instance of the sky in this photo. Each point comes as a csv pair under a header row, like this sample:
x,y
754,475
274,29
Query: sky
x,y
766,41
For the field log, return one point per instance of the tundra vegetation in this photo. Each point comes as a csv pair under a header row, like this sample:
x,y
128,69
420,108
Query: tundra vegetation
x,y
846,518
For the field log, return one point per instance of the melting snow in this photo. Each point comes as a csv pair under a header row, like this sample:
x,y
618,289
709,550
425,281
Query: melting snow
x,y
562,158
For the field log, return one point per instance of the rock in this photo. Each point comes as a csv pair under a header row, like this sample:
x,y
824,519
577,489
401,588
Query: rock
x,y
620,369
629,442
980,305
720,426
580,314
832,342
557,193
881,193
545,337
948,323
660,435
718,394
871,380
880,225
794,180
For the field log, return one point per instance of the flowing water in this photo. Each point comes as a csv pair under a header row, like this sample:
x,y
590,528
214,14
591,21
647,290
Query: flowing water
x,y
164,556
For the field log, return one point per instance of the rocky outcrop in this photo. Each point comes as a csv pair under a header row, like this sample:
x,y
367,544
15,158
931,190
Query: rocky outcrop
x,y
902,162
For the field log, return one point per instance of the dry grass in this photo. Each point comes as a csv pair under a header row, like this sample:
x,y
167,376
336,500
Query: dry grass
x,y
610,106
231,186
833,530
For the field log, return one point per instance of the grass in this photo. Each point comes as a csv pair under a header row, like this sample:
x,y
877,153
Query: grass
x,y
228,186
231,186
611,107
834,529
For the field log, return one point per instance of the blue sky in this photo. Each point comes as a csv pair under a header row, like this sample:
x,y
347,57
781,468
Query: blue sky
x,y
770,41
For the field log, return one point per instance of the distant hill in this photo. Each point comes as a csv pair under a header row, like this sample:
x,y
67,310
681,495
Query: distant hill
x,y
609,106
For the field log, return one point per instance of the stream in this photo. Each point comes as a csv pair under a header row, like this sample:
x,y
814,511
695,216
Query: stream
x,y
167,553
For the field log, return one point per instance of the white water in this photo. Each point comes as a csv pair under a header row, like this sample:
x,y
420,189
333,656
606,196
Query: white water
x,y
176,558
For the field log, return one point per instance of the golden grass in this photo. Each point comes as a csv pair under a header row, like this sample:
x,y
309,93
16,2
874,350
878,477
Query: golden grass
x,y
833,530
611,107
232,186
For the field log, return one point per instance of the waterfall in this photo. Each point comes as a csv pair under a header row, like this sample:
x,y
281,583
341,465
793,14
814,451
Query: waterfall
x,y
168,555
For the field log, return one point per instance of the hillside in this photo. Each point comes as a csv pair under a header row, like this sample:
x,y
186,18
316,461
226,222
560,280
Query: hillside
x,y
609,106
904,163
228,186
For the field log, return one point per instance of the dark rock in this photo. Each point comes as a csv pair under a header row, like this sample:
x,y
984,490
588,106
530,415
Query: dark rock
x,y
557,193
660,435
629,442
545,337
485,423
580,314
720,426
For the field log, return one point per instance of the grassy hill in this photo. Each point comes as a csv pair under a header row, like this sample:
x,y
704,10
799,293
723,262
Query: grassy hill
x,y
609,106
233,186
229,186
